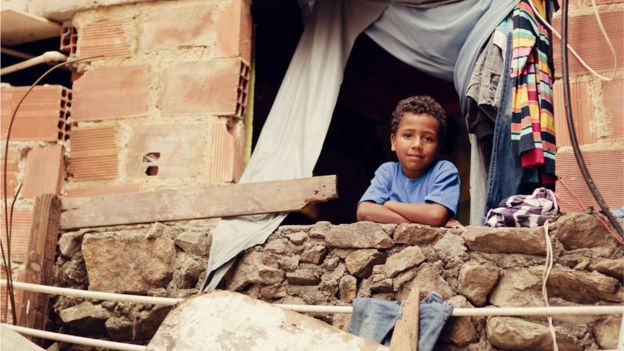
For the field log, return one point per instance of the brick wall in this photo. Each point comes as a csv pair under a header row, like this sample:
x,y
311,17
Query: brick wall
x,y
163,107
597,106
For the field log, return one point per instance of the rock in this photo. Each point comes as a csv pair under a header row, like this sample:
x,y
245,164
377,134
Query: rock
x,y
273,292
194,242
69,243
335,275
187,271
86,317
508,260
607,332
581,230
255,268
360,263
518,334
331,263
518,288
476,281
428,279
310,294
297,238
359,235
282,247
451,248
506,240
303,277
289,263
611,267
581,287
365,287
140,327
127,262
72,273
459,330
416,234
381,284
314,254
409,257
158,230
347,288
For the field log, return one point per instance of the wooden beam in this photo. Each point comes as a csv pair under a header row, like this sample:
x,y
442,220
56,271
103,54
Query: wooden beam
x,y
405,335
40,259
196,203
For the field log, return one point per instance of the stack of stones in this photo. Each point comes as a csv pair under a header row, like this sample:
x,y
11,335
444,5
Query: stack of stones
x,y
324,264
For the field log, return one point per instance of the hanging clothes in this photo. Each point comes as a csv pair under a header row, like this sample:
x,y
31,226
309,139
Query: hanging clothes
x,y
532,121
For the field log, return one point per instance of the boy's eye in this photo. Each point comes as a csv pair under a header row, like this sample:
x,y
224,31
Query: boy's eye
x,y
407,136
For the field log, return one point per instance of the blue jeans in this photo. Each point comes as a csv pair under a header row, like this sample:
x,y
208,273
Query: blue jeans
x,y
505,173
374,319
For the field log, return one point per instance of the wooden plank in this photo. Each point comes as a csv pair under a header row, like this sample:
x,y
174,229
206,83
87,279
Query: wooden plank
x,y
196,203
405,335
40,261
21,27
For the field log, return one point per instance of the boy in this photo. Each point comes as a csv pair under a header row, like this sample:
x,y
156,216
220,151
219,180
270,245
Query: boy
x,y
419,188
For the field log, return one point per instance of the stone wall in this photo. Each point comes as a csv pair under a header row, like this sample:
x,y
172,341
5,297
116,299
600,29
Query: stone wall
x,y
332,264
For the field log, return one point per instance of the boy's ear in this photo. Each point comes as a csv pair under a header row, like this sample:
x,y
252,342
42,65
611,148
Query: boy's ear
x,y
392,142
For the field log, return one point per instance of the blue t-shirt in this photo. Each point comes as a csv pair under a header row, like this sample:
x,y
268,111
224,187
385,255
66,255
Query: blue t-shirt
x,y
440,185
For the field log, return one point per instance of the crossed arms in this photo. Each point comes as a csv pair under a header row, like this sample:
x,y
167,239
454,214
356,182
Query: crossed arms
x,y
396,212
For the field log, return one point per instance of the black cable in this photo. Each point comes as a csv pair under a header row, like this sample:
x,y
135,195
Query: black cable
x,y
568,108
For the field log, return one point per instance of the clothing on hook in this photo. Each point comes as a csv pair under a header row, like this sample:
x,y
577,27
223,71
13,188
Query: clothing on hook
x,y
525,210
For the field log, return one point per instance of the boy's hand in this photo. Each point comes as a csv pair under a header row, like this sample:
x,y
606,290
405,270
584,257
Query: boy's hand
x,y
453,223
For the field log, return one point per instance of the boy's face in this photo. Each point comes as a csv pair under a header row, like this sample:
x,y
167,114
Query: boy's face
x,y
416,143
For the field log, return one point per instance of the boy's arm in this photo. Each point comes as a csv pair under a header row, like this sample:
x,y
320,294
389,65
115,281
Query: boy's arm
x,y
370,211
426,213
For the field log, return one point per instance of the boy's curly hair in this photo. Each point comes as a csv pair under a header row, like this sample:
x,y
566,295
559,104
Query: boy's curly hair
x,y
420,105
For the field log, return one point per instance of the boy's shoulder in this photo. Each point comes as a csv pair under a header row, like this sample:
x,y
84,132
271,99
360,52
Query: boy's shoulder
x,y
444,166
388,167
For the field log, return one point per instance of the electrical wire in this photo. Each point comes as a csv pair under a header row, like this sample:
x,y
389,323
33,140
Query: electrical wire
x,y
571,130
6,256
576,54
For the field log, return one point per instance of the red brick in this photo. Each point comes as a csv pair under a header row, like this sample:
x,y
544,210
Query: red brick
x,y
240,139
69,37
202,87
12,165
193,26
42,115
606,168
220,153
613,98
105,38
93,154
45,167
167,150
234,29
586,38
582,111
20,234
103,190
111,92
18,275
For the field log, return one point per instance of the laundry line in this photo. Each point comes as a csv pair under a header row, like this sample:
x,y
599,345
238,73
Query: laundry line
x,y
457,312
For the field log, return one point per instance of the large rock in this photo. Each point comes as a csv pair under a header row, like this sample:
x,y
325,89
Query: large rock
x,y
360,263
581,230
187,271
347,288
359,235
69,243
451,248
407,258
613,268
128,262
428,279
138,327
194,242
313,253
86,317
255,268
416,234
459,330
582,287
227,321
282,246
476,281
303,276
506,240
518,287
518,334
607,332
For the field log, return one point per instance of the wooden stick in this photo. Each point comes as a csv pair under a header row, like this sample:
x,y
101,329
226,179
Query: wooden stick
x,y
196,203
405,335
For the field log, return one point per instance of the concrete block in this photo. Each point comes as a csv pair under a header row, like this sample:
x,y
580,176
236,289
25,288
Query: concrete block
x,y
194,25
45,171
41,117
586,38
94,154
111,92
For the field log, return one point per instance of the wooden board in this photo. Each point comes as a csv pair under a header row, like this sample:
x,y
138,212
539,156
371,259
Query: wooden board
x,y
40,262
196,203
405,335
20,27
